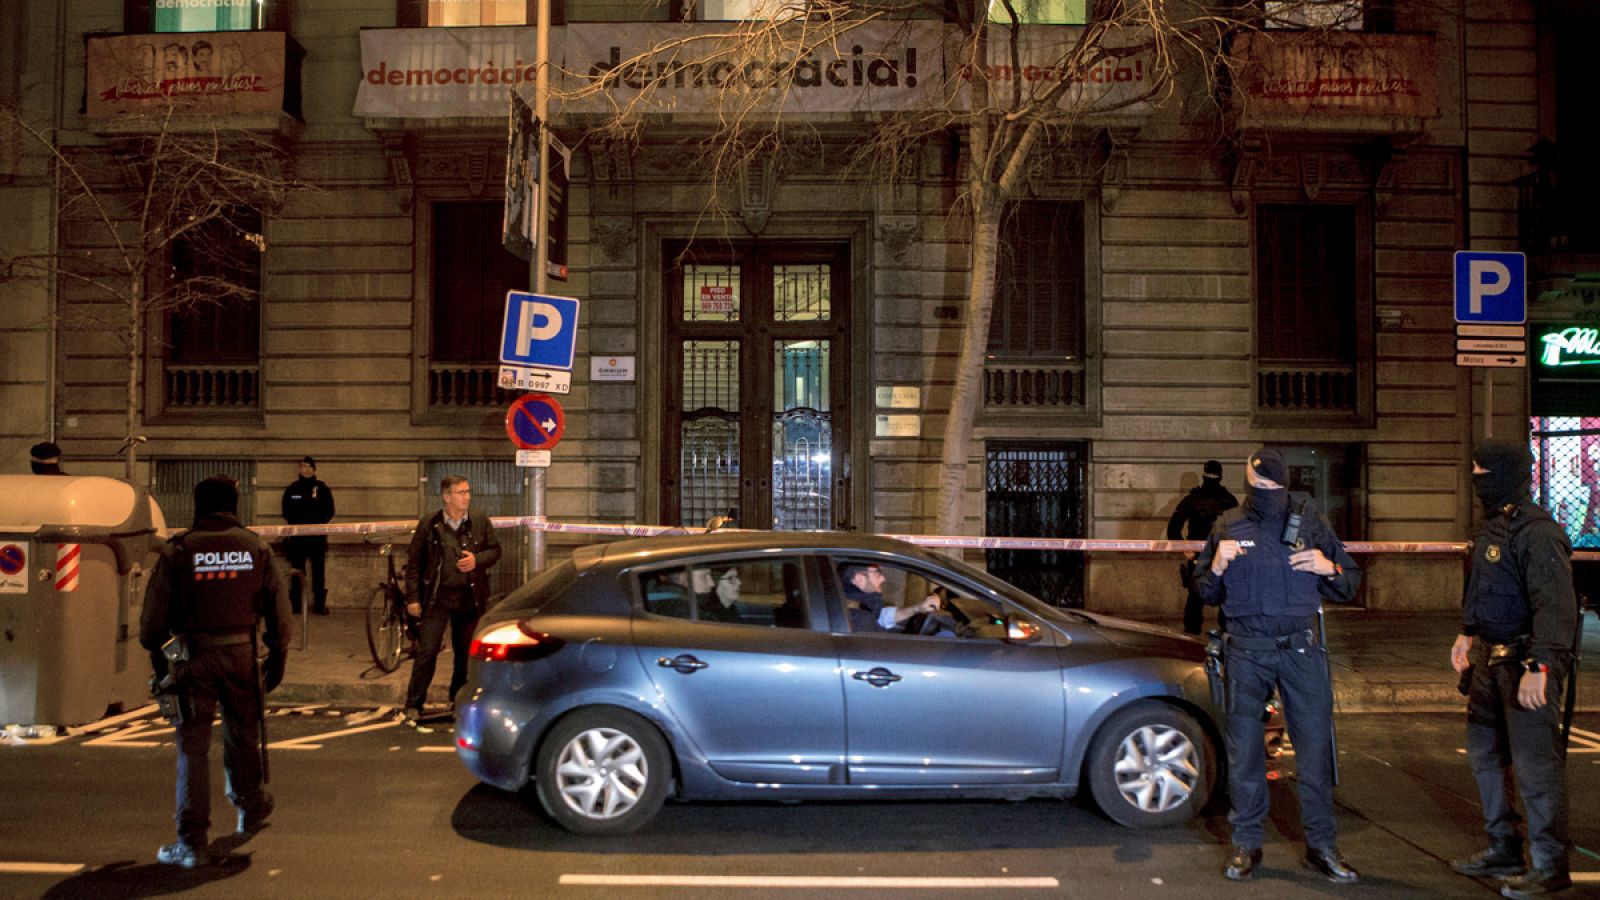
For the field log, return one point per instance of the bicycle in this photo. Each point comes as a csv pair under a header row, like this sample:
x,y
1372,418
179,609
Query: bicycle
x,y
391,632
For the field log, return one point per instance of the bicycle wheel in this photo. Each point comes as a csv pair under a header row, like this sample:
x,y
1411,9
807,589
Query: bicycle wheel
x,y
384,629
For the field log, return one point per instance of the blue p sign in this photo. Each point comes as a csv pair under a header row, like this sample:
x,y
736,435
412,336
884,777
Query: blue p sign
x,y
1491,287
539,331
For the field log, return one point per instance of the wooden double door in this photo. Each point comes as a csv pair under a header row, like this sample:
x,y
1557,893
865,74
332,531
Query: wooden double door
x,y
756,345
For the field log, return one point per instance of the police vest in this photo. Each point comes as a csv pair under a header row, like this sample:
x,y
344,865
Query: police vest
x,y
1497,599
1261,582
221,575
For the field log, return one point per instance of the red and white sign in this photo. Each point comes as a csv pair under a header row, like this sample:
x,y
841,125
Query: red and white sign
x,y
716,298
222,72
535,422
67,558
14,568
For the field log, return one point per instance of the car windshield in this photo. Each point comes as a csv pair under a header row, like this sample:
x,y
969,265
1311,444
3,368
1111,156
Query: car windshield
x,y
531,597
1011,592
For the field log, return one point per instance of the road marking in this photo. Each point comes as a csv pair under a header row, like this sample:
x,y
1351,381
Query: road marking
x,y
308,742
296,710
124,737
436,749
1586,877
805,881
359,718
38,868
139,713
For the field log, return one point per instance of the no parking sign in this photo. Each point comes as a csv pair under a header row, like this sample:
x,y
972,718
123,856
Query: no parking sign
x,y
535,422
14,568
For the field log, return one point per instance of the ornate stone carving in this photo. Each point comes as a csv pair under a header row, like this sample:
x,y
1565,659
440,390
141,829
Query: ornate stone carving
x,y
398,151
897,233
615,237
757,183
1112,179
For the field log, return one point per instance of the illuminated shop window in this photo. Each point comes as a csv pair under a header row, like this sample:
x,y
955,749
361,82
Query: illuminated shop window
x,y
451,13
207,15
1566,474
1040,12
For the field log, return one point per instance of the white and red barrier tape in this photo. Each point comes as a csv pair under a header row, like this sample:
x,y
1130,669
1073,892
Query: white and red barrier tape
x,y
1087,545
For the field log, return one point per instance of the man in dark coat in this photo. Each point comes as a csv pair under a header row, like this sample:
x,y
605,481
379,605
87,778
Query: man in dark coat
x,y
1197,512
447,586
1518,621
210,587
308,501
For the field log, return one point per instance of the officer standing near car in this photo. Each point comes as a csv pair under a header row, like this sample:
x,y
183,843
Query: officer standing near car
x,y
1197,512
1518,623
210,587
1269,564
308,501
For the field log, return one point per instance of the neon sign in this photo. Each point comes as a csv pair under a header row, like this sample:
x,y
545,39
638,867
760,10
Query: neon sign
x,y
1573,346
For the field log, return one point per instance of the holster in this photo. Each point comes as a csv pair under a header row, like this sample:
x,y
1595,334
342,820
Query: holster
x,y
1216,669
167,687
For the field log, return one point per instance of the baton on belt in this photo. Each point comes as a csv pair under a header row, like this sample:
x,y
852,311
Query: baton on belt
x,y
1572,683
1327,666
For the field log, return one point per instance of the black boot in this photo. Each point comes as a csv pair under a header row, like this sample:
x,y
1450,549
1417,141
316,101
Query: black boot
x,y
1499,859
1243,863
1328,862
1536,883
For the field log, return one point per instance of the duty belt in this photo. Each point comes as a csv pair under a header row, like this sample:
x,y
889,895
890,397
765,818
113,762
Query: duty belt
x,y
202,639
1304,639
1511,652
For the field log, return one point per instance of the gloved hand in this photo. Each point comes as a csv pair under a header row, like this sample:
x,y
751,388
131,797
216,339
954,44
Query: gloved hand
x,y
272,671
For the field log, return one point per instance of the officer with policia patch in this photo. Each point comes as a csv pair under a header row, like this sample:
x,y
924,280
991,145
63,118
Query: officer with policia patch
x,y
210,587
1518,627
1270,564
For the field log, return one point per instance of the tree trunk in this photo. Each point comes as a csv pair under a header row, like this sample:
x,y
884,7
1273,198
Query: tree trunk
x,y
135,343
964,402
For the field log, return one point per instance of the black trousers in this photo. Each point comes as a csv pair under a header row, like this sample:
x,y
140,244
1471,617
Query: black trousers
x,y
309,555
460,614
1194,614
225,677
1515,749
1300,675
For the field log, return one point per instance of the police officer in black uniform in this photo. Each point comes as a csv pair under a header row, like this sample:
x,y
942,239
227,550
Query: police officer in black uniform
x,y
1270,563
308,501
1518,622
1197,512
209,588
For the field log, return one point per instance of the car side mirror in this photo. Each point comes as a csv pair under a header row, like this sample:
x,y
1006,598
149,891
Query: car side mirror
x,y
1021,631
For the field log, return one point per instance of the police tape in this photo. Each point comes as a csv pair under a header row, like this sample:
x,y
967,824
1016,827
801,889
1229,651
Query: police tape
x,y
1082,545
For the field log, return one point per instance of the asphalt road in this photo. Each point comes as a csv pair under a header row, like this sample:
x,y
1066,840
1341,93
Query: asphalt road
x,y
369,809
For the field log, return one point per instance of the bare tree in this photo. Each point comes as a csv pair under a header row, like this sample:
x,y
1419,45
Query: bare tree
x,y
170,218
1007,124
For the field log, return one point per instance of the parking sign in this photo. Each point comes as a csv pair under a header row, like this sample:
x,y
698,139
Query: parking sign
x,y
540,331
1491,287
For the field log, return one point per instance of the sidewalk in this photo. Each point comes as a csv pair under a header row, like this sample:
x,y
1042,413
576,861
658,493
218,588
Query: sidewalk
x,y
1382,662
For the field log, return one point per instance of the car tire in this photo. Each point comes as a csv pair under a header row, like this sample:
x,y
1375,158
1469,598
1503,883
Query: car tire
x,y
1150,766
602,771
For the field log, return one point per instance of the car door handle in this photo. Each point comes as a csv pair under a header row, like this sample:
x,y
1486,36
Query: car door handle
x,y
879,677
683,663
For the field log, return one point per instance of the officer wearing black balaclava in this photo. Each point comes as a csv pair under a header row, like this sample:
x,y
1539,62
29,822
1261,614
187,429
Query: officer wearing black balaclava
x,y
210,587
1270,564
1518,621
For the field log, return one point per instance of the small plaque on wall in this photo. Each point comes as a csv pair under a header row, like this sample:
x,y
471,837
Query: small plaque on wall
x,y
901,425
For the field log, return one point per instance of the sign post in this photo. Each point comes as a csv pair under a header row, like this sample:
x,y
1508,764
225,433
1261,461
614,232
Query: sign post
x,y
541,277
1491,289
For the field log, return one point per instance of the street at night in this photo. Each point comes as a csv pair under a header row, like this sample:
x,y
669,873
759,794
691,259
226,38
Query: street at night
x,y
366,807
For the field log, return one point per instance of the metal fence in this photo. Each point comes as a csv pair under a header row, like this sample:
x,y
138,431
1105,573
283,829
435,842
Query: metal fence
x,y
497,490
1566,482
172,484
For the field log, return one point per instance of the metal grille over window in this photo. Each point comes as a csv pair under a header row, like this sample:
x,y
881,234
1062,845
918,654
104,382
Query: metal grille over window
x,y
172,484
802,437
800,293
710,464
710,293
1566,475
1037,490
496,491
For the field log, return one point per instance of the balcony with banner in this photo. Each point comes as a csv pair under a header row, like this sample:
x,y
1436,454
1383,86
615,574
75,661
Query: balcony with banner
x,y
1335,83
143,84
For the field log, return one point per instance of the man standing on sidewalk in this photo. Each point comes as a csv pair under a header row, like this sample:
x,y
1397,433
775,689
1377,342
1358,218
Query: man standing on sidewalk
x,y
1198,511
1270,564
1517,627
447,585
309,502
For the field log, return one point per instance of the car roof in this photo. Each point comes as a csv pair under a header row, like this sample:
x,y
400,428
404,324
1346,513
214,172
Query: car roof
x,y
667,548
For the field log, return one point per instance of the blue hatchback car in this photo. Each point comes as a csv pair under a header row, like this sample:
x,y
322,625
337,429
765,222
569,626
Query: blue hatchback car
x,y
771,665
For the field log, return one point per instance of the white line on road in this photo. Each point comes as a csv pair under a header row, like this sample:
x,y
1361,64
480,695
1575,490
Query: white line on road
x,y
805,881
115,720
1586,877
38,868
436,749
125,737
308,742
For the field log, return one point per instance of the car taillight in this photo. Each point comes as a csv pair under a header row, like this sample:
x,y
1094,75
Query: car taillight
x,y
513,642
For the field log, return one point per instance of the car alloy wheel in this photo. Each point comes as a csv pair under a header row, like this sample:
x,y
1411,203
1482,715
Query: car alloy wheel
x,y
1157,768
603,772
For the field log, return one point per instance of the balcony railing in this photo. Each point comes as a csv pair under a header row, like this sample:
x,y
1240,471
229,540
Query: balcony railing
x,y
466,385
212,387
1026,385
1302,388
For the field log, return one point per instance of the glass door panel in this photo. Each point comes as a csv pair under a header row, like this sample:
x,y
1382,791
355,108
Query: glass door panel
x,y
709,438
802,437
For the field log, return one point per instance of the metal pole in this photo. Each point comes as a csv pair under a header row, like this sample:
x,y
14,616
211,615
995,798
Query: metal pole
x,y
541,112
1488,403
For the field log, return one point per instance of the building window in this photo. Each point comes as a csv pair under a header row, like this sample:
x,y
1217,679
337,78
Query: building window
x,y
172,484
472,272
176,16
451,13
1036,328
1040,12
1310,303
213,315
1339,15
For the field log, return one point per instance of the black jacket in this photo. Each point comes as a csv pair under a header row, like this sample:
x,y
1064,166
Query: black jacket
x,y
1260,582
425,558
307,502
1521,582
1199,509
217,577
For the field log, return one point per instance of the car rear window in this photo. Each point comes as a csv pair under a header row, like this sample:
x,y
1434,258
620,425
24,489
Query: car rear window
x,y
535,594
766,592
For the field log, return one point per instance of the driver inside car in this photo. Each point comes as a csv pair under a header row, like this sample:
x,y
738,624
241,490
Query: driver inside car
x,y
863,601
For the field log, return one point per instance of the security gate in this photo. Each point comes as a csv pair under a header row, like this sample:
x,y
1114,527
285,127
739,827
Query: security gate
x,y
1035,489
172,484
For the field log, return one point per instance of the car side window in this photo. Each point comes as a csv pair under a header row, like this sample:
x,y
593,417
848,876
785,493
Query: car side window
x,y
883,597
766,592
